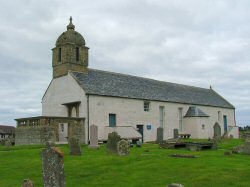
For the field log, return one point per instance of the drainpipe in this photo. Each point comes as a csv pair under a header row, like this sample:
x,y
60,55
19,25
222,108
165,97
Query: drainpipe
x,y
88,115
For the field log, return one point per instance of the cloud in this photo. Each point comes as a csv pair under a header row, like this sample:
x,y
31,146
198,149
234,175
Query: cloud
x,y
193,42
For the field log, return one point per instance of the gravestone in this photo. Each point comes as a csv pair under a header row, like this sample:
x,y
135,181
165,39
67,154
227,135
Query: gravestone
x,y
123,148
53,166
94,137
244,149
28,183
159,135
113,139
176,133
7,143
175,185
138,143
75,146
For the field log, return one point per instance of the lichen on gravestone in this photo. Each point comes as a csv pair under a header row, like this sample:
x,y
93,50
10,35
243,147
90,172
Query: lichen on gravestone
x,y
53,166
123,148
75,146
28,183
113,139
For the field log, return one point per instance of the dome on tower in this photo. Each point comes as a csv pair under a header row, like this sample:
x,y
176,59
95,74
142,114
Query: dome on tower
x,y
70,36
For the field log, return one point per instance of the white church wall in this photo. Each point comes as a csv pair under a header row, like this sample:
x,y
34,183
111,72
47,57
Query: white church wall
x,y
130,112
63,90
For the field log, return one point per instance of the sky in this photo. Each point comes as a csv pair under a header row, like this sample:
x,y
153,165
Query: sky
x,y
192,42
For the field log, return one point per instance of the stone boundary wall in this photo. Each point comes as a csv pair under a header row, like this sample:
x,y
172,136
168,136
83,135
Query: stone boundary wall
x,y
33,135
39,130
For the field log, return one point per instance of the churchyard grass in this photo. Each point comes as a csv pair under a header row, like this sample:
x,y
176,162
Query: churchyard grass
x,y
147,166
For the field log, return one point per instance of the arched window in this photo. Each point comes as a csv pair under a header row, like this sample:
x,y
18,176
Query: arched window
x,y
77,54
60,54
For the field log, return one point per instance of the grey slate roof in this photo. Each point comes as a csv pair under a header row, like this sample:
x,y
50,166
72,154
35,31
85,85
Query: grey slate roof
x,y
4,129
97,82
194,111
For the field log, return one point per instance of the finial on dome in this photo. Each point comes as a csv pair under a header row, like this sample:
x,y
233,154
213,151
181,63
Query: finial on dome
x,y
70,25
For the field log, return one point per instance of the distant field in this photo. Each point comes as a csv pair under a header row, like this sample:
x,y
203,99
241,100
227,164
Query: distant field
x,y
143,169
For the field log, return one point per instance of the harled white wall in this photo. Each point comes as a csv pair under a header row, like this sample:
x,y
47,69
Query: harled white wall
x,y
63,90
129,112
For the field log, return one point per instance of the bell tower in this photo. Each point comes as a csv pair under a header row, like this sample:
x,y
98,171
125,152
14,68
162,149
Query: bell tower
x,y
70,53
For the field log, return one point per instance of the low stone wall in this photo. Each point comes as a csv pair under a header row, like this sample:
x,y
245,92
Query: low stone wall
x,y
39,130
34,135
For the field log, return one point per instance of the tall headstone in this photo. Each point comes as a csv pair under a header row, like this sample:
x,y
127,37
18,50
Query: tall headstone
x,y
28,183
159,138
75,146
53,167
176,133
94,136
113,139
123,148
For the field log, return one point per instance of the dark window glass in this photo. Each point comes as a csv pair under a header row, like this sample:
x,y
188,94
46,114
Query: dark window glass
x,y
77,54
60,55
112,120
146,106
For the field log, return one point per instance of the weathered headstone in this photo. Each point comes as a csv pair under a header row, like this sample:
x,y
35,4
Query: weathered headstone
x,y
244,149
7,143
123,148
139,143
175,185
53,167
75,146
113,139
28,183
176,133
159,138
94,137
227,153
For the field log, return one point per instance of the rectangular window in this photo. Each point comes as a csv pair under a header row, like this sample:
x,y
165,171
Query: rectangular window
x,y
112,120
219,116
77,54
161,116
59,54
146,106
180,119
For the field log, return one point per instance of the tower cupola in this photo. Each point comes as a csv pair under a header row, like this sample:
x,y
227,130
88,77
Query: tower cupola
x,y
70,53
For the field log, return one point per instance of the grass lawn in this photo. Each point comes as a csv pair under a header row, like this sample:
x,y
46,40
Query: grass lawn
x,y
154,168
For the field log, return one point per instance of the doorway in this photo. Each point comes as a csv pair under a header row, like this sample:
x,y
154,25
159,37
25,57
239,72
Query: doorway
x,y
63,132
225,123
140,130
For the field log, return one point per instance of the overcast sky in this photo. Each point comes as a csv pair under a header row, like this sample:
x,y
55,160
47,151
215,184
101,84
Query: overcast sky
x,y
193,42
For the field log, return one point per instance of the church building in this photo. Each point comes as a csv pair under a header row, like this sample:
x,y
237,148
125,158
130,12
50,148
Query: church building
x,y
133,106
